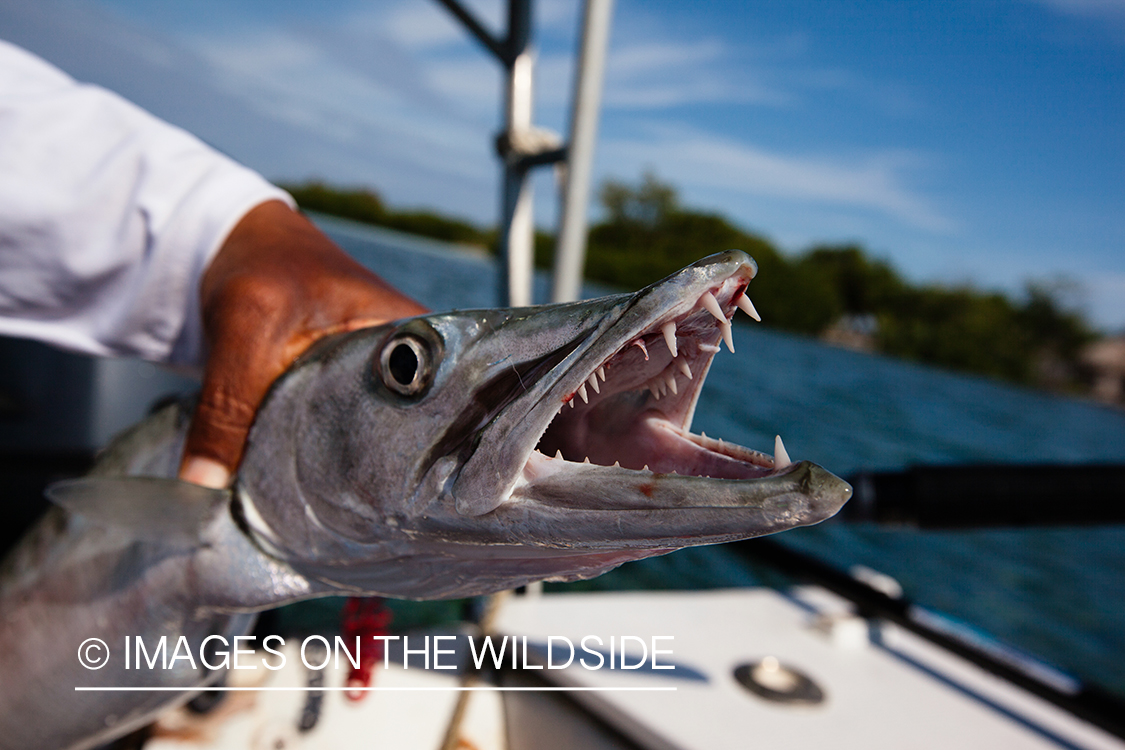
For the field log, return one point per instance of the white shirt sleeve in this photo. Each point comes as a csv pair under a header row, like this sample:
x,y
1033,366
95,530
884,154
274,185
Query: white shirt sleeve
x,y
108,217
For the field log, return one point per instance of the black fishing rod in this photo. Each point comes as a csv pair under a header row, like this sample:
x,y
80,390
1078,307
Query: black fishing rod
x,y
990,495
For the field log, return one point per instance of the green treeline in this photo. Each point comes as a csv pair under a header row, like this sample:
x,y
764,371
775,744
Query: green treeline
x,y
361,204
834,291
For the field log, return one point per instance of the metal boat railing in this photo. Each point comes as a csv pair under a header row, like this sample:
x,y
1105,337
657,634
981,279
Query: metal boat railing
x,y
522,146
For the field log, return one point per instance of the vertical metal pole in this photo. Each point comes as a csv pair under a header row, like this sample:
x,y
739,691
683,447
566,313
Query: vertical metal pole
x,y
570,253
517,239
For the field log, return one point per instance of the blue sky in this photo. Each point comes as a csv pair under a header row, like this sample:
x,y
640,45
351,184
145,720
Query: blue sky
x,y
976,141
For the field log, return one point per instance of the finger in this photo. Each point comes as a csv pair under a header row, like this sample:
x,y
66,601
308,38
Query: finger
x,y
250,324
222,420
206,472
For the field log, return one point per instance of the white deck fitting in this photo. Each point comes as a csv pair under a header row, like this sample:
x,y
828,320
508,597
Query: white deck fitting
x,y
875,698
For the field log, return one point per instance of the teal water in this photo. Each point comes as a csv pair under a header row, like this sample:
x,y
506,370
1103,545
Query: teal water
x,y
1056,593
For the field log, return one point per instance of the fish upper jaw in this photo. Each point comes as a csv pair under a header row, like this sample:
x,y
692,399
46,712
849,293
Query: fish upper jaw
x,y
618,412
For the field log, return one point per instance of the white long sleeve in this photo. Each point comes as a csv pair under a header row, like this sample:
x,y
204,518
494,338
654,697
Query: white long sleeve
x,y
108,217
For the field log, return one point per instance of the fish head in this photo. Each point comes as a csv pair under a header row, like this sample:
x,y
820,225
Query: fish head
x,y
478,450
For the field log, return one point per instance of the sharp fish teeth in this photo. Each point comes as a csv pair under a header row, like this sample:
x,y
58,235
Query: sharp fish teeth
x,y
593,381
710,348
571,402
669,330
587,460
684,368
601,373
558,454
728,338
780,457
712,306
641,344
583,394
747,307
654,390
670,379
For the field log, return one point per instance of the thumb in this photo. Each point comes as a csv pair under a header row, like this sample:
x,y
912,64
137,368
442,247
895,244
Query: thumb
x,y
218,430
246,356
205,471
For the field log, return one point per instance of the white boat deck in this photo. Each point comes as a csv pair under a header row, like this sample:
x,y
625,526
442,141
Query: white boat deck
x,y
891,691
902,693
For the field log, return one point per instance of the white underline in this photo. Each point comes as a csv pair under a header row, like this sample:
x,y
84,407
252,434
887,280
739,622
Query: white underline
x,y
454,688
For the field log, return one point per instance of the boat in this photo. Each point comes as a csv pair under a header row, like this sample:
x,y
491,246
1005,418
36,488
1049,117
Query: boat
x,y
826,656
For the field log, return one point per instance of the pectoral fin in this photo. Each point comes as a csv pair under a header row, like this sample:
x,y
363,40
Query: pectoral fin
x,y
149,507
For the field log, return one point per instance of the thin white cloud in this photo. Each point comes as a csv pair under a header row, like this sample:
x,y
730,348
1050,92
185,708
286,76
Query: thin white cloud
x,y
1107,10
302,79
473,84
663,73
876,182
662,56
1102,17
423,26
297,80
652,71
558,16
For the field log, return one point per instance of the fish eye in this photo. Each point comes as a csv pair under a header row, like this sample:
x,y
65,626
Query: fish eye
x,y
405,365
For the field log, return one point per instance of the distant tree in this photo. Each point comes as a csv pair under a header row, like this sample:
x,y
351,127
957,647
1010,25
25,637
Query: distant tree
x,y
360,204
864,284
961,329
430,224
363,204
646,205
647,234
1059,333
1043,311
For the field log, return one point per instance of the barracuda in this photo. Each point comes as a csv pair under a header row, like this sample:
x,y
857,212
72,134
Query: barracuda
x,y
443,456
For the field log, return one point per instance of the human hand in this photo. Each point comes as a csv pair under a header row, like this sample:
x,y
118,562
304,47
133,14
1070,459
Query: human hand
x,y
275,287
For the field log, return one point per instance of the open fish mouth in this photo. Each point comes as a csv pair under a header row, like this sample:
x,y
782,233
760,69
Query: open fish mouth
x,y
608,429
634,409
